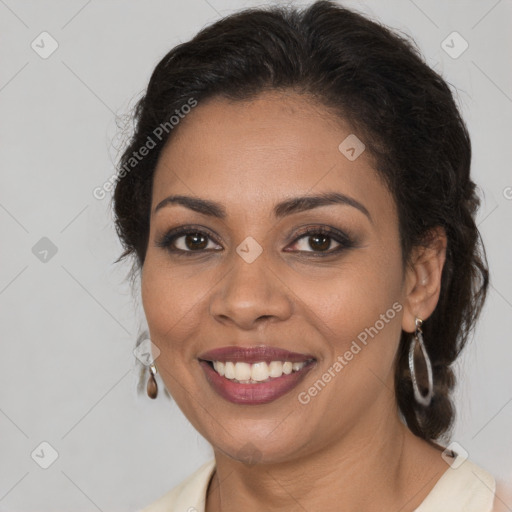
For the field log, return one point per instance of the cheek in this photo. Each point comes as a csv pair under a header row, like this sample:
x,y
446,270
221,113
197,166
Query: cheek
x,y
357,310
358,314
171,302
355,295
170,305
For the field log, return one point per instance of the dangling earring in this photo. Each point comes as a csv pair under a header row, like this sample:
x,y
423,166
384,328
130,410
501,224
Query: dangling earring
x,y
418,338
152,387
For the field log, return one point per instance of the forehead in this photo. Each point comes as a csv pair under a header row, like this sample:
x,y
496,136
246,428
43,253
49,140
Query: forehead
x,y
260,150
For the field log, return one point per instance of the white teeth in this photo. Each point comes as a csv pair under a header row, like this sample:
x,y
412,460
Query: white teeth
x,y
229,370
219,368
242,371
275,369
287,368
246,373
259,372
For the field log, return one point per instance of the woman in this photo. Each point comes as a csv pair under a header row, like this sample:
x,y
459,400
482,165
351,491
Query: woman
x,y
298,201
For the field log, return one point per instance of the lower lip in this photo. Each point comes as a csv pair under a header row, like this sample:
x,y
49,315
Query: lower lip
x,y
253,394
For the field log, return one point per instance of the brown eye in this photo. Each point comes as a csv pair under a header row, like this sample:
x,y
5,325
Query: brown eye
x,y
316,242
319,240
195,241
186,241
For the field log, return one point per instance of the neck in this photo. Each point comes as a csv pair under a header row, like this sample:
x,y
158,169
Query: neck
x,y
376,466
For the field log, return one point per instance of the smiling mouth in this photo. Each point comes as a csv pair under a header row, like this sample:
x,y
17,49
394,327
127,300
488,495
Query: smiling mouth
x,y
241,372
254,375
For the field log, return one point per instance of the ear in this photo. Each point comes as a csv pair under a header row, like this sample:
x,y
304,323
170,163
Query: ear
x,y
423,278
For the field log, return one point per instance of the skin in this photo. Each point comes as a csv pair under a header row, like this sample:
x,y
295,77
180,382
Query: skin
x,y
347,445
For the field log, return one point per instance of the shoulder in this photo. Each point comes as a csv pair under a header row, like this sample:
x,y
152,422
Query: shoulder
x,y
189,495
464,487
503,502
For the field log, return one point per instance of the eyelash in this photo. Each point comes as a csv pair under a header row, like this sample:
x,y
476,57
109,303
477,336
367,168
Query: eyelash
x,y
170,237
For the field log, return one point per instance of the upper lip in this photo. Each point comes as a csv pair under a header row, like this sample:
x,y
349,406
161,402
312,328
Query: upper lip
x,y
255,354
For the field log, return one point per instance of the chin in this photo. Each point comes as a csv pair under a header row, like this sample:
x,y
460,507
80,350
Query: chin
x,y
259,442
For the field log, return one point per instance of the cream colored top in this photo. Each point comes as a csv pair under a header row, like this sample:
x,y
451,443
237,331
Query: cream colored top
x,y
468,488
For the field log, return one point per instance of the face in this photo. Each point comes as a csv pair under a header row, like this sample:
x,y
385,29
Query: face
x,y
321,281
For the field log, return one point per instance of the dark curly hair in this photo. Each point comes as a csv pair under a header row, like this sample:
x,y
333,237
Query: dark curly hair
x,y
375,79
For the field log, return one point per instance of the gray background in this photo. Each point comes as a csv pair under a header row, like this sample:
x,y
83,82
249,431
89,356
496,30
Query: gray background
x,y
68,324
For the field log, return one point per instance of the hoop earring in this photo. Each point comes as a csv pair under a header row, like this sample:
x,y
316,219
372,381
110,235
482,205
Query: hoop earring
x,y
418,338
152,387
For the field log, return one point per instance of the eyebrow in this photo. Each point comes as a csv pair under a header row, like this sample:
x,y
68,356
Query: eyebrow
x,y
282,209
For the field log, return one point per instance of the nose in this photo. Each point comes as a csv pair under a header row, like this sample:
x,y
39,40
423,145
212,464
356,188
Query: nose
x,y
251,294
